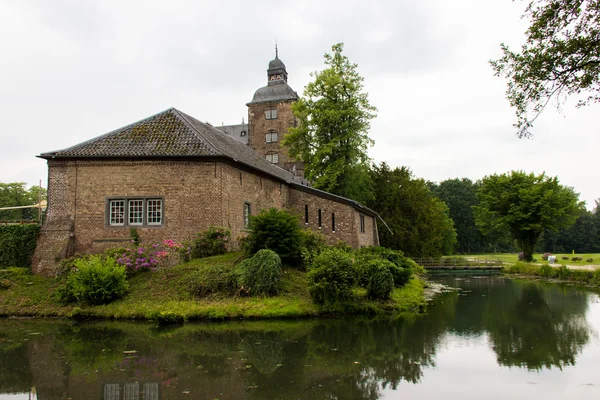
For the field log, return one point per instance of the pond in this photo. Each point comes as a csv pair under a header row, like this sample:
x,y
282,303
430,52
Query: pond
x,y
492,338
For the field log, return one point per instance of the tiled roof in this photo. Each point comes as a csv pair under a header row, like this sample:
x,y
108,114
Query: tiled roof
x,y
170,133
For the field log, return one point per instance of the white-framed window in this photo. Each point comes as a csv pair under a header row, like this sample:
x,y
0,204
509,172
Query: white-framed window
x,y
271,114
272,158
135,211
271,137
154,207
116,212
247,213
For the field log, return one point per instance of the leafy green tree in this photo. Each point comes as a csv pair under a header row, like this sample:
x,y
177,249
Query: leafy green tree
x,y
525,205
16,194
460,195
332,135
560,57
420,224
581,237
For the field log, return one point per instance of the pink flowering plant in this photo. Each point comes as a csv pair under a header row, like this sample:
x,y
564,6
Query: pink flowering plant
x,y
149,258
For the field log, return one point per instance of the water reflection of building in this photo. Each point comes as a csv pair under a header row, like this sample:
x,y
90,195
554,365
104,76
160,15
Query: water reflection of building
x,y
131,391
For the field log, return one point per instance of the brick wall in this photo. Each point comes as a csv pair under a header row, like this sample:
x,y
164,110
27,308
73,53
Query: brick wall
x,y
259,126
261,192
347,219
195,196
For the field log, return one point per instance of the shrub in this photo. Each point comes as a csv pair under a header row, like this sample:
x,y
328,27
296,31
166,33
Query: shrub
x,y
17,244
277,230
545,256
381,281
563,272
135,236
596,277
260,274
313,244
576,258
565,257
331,277
401,267
589,260
212,279
5,284
148,258
546,271
211,242
96,281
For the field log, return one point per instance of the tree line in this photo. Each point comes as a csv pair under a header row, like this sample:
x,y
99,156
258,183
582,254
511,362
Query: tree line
x,y
512,211
15,194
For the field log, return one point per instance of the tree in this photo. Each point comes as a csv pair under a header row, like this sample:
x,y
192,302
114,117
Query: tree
x,y
460,195
525,205
16,194
420,224
332,135
561,57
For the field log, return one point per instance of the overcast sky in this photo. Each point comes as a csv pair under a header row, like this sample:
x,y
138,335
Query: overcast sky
x,y
71,70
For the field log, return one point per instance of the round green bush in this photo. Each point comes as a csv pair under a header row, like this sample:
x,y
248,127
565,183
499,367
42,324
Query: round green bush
x,y
331,277
277,230
260,274
211,242
96,280
546,271
401,267
313,244
381,281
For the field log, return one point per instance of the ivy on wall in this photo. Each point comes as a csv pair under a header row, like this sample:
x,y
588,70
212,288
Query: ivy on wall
x,y
17,244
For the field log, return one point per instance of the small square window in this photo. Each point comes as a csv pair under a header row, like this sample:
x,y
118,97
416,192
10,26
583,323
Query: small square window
x,y
155,212
271,114
272,158
271,137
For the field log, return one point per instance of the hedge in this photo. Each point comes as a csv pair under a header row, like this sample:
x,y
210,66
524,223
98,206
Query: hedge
x,y
17,244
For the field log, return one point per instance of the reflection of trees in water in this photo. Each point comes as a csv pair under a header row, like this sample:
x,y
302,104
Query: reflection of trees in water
x,y
533,329
530,325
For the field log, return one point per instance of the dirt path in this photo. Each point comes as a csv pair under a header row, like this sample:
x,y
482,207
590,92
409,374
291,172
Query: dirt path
x,y
584,267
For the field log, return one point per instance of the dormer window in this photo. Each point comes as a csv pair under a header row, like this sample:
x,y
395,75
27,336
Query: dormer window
x,y
271,137
271,114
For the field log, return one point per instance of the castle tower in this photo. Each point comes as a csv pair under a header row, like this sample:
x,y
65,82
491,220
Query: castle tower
x,y
270,116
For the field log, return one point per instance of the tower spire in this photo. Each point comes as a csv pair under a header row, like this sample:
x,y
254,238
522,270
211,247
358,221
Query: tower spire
x,y
276,51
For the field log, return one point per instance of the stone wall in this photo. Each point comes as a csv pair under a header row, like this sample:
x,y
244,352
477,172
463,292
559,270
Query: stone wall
x,y
259,126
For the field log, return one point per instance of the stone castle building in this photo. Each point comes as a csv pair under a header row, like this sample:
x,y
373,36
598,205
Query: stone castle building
x,y
171,176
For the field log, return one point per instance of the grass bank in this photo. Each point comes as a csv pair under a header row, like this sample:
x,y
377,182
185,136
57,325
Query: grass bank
x,y
167,292
562,273
513,258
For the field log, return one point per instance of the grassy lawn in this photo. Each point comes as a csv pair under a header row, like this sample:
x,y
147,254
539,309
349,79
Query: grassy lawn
x,y
167,291
512,258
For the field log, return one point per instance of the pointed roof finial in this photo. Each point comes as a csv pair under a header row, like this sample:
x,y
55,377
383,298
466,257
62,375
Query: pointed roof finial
x,y
276,51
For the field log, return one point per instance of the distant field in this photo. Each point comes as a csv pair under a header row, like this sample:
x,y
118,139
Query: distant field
x,y
512,257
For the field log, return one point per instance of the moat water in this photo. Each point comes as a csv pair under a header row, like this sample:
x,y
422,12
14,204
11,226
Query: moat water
x,y
492,338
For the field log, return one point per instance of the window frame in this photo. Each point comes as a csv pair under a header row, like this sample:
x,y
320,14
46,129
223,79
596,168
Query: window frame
x,y
333,222
247,212
272,157
271,137
362,224
126,201
271,113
